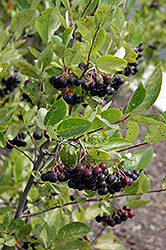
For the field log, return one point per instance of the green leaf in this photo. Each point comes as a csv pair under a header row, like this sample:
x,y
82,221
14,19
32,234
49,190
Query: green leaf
x,y
155,134
2,140
12,131
56,113
137,98
59,49
145,119
67,35
45,58
32,89
145,159
41,230
25,230
40,118
98,154
25,67
110,64
112,115
132,131
115,159
5,115
144,183
73,127
16,225
75,54
22,18
84,32
104,15
99,40
97,139
7,192
73,230
89,23
153,86
109,242
131,164
91,6
69,155
76,70
163,184
138,203
92,212
9,240
116,144
47,23
34,52
2,128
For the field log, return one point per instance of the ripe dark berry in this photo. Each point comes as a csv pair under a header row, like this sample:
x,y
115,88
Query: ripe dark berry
x,y
96,171
52,177
102,184
102,165
131,213
85,85
126,181
61,177
72,198
78,82
93,92
111,222
17,79
107,79
127,208
110,179
37,135
87,175
99,84
134,176
119,80
137,172
44,177
117,220
109,90
53,79
62,82
124,216
71,81
103,191
72,184
77,97
92,86
9,146
105,218
115,86
101,177
98,218
131,182
79,170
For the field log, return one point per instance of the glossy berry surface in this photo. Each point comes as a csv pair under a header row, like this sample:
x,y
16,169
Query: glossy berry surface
x,y
37,135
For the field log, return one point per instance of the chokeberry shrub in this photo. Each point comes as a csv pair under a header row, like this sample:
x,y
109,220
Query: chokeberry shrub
x,y
63,143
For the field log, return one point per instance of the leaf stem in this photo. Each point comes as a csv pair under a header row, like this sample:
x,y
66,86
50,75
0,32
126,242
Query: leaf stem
x,y
97,236
10,38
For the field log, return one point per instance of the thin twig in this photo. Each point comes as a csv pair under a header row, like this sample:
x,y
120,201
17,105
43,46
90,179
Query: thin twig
x,y
10,38
149,192
97,236
135,146
20,151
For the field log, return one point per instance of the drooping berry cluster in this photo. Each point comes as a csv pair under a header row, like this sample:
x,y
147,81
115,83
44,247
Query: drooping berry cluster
x,y
132,68
10,84
97,179
18,141
24,95
117,217
95,88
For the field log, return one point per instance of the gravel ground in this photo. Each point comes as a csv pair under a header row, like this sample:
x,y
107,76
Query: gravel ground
x,y
146,231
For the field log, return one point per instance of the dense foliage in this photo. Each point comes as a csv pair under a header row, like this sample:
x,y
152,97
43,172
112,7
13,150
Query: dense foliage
x,y
65,149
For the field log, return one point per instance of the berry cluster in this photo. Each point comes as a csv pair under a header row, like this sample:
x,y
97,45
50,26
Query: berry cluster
x,y
24,95
117,217
18,141
10,84
132,68
97,179
95,88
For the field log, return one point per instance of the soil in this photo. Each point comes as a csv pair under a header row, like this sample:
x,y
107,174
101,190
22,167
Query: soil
x,y
146,230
